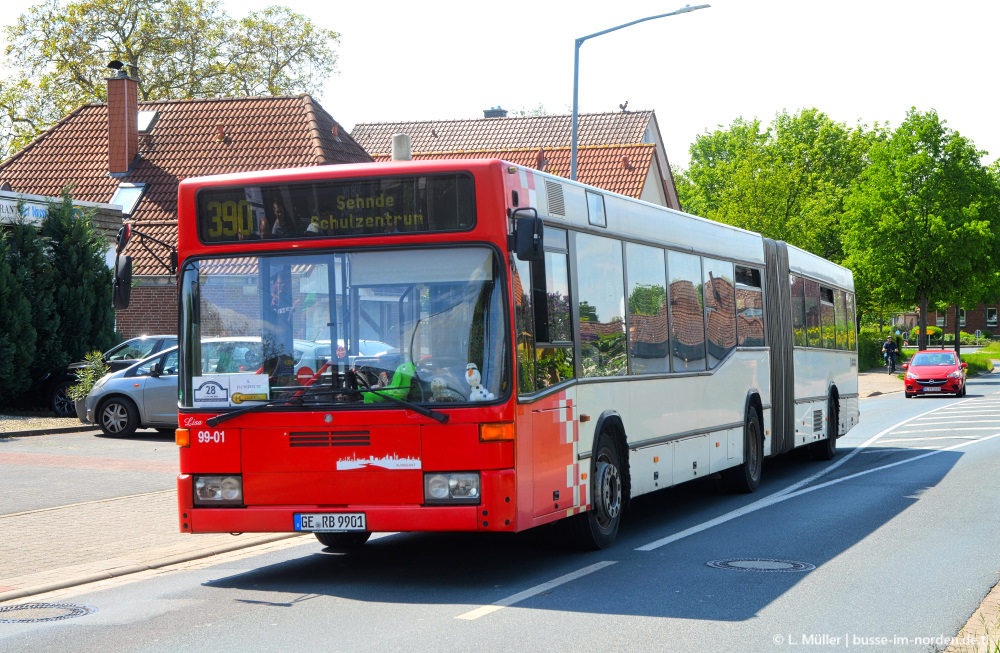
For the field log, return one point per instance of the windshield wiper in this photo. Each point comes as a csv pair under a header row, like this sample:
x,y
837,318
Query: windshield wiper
x,y
297,400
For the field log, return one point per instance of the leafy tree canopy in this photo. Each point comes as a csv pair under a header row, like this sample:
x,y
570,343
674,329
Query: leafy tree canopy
x,y
922,219
788,181
179,49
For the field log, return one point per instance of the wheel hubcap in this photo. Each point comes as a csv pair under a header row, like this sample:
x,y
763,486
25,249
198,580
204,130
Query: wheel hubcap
x,y
115,418
609,502
63,404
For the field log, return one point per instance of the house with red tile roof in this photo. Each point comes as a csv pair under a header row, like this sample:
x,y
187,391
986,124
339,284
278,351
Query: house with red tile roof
x,y
621,152
135,154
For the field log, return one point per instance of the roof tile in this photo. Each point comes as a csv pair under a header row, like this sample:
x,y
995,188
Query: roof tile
x,y
261,133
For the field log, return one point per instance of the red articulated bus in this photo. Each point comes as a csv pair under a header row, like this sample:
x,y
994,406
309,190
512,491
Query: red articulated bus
x,y
469,345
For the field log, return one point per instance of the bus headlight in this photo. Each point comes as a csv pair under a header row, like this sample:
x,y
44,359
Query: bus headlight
x,y
218,491
451,487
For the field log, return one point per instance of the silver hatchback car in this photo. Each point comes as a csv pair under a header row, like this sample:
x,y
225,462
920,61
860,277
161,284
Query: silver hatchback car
x,y
142,396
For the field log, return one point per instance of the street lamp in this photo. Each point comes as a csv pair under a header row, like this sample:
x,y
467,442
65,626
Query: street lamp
x,y
576,74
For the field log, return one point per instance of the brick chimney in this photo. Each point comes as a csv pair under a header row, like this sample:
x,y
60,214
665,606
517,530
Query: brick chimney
x,y
123,122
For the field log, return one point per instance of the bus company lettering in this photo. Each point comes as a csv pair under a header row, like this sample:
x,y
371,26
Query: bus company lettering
x,y
385,221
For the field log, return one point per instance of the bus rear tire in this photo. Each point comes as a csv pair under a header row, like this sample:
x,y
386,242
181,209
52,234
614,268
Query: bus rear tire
x,y
343,540
598,527
746,477
826,448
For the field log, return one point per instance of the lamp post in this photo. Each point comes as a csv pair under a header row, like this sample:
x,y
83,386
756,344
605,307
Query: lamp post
x,y
576,74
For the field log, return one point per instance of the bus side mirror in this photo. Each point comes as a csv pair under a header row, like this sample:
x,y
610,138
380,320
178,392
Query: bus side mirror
x,y
528,236
121,240
122,289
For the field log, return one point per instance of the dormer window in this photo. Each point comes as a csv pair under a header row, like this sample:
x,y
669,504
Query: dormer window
x,y
146,121
127,196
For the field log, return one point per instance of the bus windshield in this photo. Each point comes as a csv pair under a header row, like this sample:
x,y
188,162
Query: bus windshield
x,y
344,328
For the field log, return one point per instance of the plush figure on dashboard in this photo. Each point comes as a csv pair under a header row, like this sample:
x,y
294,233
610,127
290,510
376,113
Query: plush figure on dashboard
x,y
441,392
478,393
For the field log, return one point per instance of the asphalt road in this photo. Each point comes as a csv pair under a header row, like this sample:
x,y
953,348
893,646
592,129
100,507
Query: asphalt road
x,y
892,545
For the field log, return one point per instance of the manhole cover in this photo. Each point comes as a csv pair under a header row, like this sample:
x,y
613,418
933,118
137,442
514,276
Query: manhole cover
x,y
29,613
761,564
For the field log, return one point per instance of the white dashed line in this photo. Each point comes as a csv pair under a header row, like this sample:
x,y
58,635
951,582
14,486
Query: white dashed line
x,y
537,589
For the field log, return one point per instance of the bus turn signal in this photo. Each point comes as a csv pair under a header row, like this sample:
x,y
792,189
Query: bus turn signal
x,y
182,437
499,432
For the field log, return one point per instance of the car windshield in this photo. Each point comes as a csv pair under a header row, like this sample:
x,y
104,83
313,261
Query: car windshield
x,y
925,359
420,325
135,349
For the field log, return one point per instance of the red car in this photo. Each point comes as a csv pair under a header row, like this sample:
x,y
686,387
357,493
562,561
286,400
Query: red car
x,y
935,372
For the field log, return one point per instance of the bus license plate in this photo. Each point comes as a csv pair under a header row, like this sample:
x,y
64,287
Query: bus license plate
x,y
331,521
935,389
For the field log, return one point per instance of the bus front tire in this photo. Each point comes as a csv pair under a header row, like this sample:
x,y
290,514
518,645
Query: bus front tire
x,y
598,527
746,477
343,540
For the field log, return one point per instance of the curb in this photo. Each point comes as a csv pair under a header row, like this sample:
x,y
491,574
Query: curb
x,y
56,431
133,569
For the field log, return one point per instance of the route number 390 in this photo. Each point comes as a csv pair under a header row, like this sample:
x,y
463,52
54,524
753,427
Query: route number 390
x,y
213,437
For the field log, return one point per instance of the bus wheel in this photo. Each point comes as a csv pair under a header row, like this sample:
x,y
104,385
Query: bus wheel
x,y
343,540
598,527
746,477
826,448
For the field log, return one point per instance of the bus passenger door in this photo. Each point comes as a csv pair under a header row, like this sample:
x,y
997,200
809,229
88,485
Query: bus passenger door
x,y
554,438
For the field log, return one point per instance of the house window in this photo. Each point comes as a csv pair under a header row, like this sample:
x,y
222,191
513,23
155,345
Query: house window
x,y
939,319
961,317
146,121
127,196
991,317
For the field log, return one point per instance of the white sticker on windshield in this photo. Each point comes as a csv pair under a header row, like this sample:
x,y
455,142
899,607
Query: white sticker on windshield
x,y
211,391
248,388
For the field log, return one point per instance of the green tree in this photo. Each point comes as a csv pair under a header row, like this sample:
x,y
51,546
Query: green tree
x,y
921,219
788,181
17,337
179,49
32,267
83,290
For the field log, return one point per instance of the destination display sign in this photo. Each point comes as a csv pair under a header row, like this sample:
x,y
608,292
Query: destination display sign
x,y
380,206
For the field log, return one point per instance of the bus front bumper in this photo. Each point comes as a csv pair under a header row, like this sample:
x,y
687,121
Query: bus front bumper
x,y
496,512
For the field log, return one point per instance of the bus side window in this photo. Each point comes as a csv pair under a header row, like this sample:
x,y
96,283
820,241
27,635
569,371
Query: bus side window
x,y
524,336
852,339
601,288
687,321
841,308
720,309
827,318
749,308
811,292
554,360
798,311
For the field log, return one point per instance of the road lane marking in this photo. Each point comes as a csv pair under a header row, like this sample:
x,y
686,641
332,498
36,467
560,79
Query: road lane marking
x,y
936,437
774,498
945,420
938,429
791,490
533,591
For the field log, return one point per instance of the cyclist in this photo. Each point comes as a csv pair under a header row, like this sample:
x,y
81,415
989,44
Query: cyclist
x,y
889,352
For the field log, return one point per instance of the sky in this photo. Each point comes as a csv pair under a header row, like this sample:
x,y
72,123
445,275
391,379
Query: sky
x,y
861,61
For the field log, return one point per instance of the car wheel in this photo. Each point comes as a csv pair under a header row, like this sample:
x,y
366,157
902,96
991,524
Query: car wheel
x,y
343,540
118,417
59,401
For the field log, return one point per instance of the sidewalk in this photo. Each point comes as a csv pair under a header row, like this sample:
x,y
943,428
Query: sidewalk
x,y
872,383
